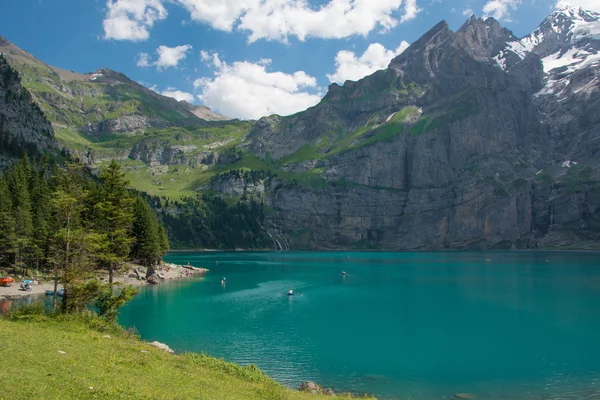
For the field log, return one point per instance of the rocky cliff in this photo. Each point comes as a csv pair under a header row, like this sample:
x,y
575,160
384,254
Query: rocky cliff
x,y
23,126
470,139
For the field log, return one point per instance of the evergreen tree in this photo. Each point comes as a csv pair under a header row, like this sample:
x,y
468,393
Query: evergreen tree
x,y
8,236
69,250
113,215
41,207
18,186
147,246
163,240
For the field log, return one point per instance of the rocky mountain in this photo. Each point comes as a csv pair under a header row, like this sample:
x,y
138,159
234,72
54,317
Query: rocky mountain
x,y
23,126
105,115
205,113
469,139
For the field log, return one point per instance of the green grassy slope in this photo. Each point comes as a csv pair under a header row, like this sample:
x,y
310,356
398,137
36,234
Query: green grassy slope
x,y
118,367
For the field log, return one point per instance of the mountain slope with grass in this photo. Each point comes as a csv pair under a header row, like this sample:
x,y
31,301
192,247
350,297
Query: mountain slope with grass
x,y
105,115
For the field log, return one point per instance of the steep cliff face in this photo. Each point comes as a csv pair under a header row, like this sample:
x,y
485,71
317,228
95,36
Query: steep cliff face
x,y
23,126
463,142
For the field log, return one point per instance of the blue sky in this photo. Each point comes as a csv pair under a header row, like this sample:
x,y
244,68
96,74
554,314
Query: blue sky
x,y
243,58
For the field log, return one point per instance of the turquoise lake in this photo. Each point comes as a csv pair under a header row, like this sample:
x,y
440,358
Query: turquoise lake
x,y
505,325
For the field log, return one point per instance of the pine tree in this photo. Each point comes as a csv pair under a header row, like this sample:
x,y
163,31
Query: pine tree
x,y
147,246
113,216
163,240
40,199
69,249
8,236
18,186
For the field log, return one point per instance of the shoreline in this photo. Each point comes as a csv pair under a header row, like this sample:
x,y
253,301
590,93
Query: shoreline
x,y
14,292
164,273
384,251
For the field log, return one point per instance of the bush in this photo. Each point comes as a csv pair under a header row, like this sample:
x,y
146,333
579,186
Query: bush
x,y
27,312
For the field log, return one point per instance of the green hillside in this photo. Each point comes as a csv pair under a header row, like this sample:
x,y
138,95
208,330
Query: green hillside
x,y
102,361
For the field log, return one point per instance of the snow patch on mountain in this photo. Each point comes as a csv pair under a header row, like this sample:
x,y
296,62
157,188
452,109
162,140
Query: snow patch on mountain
x,y
583,30
574,56
568,26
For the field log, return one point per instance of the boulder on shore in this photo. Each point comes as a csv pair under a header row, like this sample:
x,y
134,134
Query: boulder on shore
x,y
309,387
162,346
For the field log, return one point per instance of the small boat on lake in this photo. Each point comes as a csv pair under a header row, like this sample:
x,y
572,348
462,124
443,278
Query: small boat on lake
x,y
59,292
290,292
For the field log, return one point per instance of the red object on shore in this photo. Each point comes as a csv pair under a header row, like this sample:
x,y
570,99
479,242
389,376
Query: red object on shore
x,y
6,282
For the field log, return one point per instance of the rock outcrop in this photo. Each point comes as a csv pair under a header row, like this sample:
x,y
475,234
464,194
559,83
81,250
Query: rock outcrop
x,y
23,126
161,346
313,388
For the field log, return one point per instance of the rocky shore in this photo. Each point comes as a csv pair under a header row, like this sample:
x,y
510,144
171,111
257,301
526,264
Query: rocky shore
x,y
136,275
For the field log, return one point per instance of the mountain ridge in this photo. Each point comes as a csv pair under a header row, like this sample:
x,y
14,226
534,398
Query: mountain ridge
x,y
468,140
444,149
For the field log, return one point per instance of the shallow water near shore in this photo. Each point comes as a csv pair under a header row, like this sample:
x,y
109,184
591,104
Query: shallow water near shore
x,y
510,325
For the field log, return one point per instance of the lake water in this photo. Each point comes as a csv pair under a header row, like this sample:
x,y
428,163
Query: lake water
x,y
398,325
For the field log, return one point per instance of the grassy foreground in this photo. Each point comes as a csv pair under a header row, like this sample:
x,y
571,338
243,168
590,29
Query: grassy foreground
x,y
121,366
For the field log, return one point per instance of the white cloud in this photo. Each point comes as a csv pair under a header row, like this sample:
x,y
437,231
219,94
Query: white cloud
x,y
593,5
265,19
351,67
144,60
500,9
467,12
281,19
177,94
411,9
167,57
247,90
170,56
131,19
220,14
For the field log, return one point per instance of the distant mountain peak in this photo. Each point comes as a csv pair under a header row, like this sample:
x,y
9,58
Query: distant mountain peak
x,y
576,13
108,75
482,38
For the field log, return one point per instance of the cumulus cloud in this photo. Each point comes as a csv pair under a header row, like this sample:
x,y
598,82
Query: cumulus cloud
x,y
144,60
467,12
593,5
350,67
281,19
178,94
131,19
249,91
500,9
167,57
267,19
411,9
220,14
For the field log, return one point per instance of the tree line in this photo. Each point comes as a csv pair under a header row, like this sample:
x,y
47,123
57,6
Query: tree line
x,y
211,222
61,220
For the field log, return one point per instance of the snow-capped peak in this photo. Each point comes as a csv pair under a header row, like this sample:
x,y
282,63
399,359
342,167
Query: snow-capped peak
x,y
574,24
576,13
568,41
562,30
